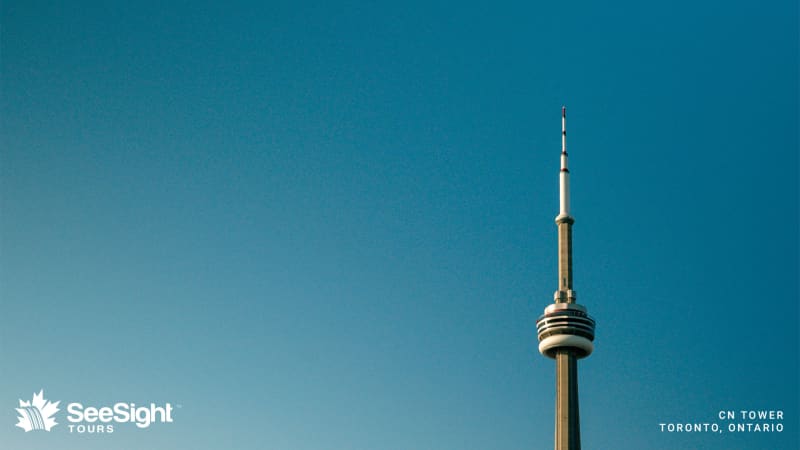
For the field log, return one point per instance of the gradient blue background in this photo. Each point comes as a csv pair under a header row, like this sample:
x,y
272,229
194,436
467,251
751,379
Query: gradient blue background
x,y
330,226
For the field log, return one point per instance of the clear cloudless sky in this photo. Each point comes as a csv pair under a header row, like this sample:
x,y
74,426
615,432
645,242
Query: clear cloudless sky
x,y
329,225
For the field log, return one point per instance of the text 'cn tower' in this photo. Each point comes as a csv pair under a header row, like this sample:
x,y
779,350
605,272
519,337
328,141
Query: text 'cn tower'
x,y
565,330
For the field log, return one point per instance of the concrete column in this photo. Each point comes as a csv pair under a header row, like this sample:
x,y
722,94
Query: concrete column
x,y
568,431
565,255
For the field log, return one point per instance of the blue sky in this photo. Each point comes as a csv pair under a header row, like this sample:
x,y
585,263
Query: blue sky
x,y
330,226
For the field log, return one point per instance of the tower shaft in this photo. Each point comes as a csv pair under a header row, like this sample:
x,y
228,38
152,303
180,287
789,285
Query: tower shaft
x,y
568,431
565,261
568,428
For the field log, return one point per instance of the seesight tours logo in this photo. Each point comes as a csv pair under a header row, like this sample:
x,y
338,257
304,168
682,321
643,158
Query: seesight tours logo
x,y
39,415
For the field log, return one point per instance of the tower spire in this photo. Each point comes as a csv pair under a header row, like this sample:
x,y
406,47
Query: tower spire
x,y
564,138
564,176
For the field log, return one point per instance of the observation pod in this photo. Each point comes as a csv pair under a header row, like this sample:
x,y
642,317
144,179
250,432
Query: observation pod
x,y
565,325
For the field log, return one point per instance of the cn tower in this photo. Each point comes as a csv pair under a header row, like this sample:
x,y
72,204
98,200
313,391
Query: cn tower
x,y
565,330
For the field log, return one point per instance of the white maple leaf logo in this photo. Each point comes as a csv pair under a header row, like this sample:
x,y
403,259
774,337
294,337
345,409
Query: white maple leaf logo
x,y
37,414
